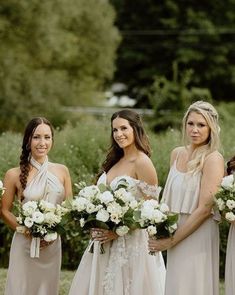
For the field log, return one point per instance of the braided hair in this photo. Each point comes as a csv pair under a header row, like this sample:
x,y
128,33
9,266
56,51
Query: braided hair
x,y
26,147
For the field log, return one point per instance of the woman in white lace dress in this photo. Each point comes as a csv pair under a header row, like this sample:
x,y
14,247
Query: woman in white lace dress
x,y
125,268
195,175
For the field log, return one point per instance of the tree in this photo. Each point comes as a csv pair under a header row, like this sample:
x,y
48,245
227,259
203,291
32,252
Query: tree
x,y
58,52
195,34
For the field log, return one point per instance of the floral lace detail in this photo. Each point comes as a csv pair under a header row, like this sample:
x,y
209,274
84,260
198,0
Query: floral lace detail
x,y
124,250
149,190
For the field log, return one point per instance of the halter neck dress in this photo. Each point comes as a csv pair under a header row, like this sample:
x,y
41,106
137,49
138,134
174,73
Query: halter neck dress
x,y
36,276
193,264
125,268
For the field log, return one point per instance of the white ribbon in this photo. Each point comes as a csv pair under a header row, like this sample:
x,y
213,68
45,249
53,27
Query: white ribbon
x,y
35,247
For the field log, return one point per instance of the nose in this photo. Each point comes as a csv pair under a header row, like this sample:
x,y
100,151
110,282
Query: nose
x,y
119,133
195,129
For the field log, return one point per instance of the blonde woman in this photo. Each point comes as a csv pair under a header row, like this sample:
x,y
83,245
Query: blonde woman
x,y
195,175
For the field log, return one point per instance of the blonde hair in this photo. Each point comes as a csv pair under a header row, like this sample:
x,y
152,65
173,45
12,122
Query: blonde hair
x,y
213,142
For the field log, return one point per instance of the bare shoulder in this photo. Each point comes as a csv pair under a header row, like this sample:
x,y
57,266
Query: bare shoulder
x,y
13,173
214,159
175,152
145,169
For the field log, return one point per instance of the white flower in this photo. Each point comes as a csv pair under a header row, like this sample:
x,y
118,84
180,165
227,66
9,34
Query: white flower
x,y
51,218
230,204
38,217
173,228
79,204
50,237
19,219
1,187
82,222
133,204
228,182
158,216
152,230
220,204
106,197
124,195
29,207
102,215
47,206
90,192
28,222
115,217
230,216
164,208
122,230
90,208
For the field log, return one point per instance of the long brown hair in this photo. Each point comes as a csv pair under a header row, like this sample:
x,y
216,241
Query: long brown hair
x,y
115,153
26,150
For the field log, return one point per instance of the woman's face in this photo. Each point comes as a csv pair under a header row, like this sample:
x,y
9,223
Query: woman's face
x,y
123,133
197,129
41,142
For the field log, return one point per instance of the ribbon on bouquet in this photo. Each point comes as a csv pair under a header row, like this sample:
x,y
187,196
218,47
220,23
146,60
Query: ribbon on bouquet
x,y
35,248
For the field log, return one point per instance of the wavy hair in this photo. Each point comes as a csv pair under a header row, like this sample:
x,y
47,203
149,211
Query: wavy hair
x,y
213,142
115,153
26,144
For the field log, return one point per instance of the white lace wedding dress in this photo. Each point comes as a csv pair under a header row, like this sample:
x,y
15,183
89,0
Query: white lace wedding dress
x,y
125,268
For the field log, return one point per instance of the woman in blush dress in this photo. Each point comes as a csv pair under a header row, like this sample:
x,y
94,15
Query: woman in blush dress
x,y
230,254
125,268
195,175
35,179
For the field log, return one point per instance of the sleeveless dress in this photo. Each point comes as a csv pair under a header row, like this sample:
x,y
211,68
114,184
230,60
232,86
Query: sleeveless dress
x,y
230,262
36,276
193,264
125,268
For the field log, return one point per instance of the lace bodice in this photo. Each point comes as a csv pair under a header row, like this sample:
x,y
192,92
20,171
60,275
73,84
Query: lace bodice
x,y
138,187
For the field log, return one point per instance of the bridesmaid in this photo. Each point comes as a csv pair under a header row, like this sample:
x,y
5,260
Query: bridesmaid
x,y
34,179
230,257
195,175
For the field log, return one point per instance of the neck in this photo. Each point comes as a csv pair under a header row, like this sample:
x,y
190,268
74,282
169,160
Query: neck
x,y
130,152
40,160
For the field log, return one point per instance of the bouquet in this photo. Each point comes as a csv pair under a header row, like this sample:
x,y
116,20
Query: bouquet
x,y
156,219
225,198
43,220
100,206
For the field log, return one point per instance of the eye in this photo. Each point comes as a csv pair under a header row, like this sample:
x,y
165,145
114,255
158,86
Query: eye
x,y
36,136
123,128
201,125
114,130
190,123
48,137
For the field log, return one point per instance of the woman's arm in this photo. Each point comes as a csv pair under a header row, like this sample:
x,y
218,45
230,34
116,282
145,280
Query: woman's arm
x,y
212,175
67,183
9,183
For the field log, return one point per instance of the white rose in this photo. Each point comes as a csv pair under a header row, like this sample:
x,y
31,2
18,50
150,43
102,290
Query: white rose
x,y
114,217
90,208
79,204
220,204
38,217
164,208
51,218
102,215
228,182
106,197
133,204
89,192
158,216
47,206
50,237
230,204
152,230
29,207
173,228
230,216
122,230
28,222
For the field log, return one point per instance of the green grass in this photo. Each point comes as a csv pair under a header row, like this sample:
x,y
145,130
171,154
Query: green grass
x,y
65,281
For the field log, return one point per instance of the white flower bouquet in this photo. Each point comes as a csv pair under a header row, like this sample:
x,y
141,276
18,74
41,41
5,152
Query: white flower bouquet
x,y
100,206
156,219
42,220
225,198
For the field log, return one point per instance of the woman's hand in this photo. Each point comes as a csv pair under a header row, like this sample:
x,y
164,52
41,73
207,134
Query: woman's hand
x,y
103,235
156,245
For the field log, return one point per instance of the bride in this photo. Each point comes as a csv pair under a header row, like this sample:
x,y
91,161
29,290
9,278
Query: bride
x,y
125,268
